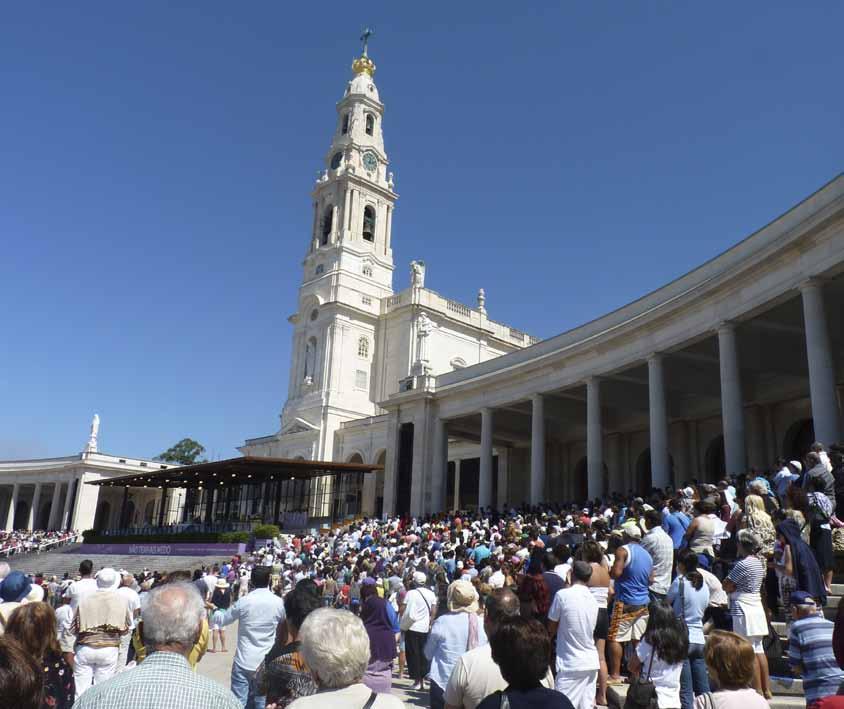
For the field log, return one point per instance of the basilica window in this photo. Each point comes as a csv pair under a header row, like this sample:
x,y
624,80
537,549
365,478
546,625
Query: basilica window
x,y
369,223
319,270
310,360
336,159
370,124
327,224
367,271
345,128
363,347
361,379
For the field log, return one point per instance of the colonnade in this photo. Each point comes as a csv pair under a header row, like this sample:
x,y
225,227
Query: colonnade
x,y
824,404
59,516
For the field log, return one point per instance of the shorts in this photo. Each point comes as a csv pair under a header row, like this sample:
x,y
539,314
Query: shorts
x,y
739,628
602,626
628,622
67,642
217,619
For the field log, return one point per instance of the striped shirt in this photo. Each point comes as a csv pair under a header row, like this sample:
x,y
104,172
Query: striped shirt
x,y
747,575
810,645
163,681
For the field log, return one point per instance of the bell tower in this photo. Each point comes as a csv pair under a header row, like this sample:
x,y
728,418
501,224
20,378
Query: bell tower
x,y
347,270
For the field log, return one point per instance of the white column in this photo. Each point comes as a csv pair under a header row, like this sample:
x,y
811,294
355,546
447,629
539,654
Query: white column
x,y
485,481
457,484
33,508
440,468
389,228
594,439
54,505
13,503
346,199
537,450
826,415
391,462
314,235
74,518
732,413
503,478
660,463
65,521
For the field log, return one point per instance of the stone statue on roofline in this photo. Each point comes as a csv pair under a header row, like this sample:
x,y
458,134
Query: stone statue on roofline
x,y
417,274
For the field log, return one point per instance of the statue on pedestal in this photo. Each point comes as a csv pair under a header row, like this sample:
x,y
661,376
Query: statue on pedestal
x,y
92,438
417,274
424,327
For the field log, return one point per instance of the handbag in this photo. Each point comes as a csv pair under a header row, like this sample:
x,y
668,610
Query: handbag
x,y
772,644
642,693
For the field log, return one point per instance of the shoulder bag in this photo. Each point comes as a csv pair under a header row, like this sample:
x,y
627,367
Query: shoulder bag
x,y
641,694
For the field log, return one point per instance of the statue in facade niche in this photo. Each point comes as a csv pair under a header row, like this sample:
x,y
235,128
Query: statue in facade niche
x,y
424,328
417,274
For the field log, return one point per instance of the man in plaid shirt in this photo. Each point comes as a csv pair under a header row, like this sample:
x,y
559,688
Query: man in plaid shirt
x,y
172,617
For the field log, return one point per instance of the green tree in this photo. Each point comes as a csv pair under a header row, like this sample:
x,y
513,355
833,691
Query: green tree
x,y
185,452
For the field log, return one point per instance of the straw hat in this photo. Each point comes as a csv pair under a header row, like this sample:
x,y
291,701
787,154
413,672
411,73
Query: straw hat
x,y
462,597
222,583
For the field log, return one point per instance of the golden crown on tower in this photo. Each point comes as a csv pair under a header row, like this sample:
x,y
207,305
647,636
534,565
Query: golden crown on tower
x,y
363,64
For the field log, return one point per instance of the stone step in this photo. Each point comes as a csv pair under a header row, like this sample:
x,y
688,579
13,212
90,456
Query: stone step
x,y
61,561
838,589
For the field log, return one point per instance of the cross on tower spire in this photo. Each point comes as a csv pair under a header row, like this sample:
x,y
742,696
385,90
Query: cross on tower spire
x,y
367,33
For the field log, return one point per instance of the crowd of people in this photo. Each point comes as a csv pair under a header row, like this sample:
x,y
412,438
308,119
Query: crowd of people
x,y
671,594
24,542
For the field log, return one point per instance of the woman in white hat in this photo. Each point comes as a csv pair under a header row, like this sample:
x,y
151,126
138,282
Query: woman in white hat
x,y
221,599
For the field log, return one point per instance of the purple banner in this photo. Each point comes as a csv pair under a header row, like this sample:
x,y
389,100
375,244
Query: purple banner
x,y
164,549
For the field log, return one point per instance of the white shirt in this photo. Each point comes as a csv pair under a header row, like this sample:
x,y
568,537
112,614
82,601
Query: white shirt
x,y
497,579
476,676
210,582
79,589
64,619
133,600
259,614
416,608
576,611
666,678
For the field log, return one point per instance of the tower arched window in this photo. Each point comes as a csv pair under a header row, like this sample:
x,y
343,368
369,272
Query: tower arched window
x,y
363,347
369,223
310,360
327,224
345,128
336,159
370,124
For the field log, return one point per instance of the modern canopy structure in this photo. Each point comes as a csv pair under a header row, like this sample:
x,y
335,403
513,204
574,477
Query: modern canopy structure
x,y
241,491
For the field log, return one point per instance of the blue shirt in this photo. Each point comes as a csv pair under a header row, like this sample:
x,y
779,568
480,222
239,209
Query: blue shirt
x,y
810,645
676,524
447,642
480,553
258,614
632,587
695,603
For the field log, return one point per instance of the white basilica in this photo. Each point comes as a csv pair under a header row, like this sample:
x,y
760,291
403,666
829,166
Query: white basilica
x,y
727,368
355,340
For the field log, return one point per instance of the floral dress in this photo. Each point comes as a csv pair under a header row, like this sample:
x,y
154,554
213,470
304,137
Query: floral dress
x,y
59,688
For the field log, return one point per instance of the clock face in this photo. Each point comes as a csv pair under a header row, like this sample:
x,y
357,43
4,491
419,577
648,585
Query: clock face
x,y
370,161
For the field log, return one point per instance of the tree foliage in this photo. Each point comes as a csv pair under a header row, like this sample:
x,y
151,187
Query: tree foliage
x,y
185,452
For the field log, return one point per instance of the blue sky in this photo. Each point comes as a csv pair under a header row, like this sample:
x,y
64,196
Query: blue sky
x,y
156,160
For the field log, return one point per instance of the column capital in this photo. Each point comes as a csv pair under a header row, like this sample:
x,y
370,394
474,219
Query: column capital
x,y
725,326
811,283
537,396
655,357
